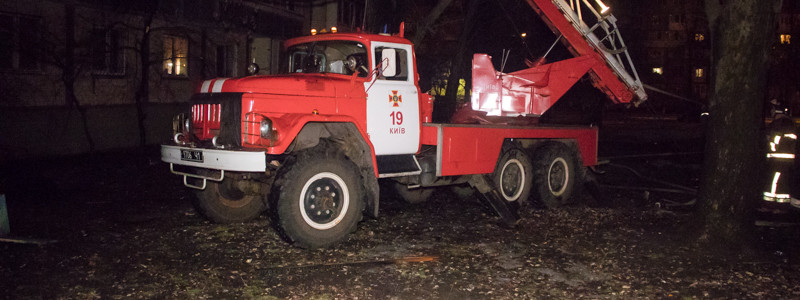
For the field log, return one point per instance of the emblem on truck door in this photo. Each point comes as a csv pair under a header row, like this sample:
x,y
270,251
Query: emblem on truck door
x,y
396,98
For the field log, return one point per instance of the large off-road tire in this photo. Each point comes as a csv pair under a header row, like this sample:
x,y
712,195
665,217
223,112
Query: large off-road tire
x,y
555,174
513,175
319,197
227,201
412,196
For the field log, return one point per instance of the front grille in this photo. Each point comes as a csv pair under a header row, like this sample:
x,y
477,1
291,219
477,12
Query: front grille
x,y
205,120
220,115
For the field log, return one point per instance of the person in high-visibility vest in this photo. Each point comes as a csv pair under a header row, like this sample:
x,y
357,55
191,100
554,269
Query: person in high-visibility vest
x,y
782,146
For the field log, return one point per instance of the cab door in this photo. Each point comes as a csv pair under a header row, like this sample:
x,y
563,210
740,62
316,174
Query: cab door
x,y
393,121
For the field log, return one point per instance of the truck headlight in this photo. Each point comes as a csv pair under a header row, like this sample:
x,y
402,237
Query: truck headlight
x,y
187,125
266,128
182,123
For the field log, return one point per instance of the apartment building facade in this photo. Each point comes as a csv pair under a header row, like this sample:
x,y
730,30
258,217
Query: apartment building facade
x,y
83,75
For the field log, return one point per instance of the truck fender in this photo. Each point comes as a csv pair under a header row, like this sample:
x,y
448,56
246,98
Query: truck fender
x,y
309,136
355,147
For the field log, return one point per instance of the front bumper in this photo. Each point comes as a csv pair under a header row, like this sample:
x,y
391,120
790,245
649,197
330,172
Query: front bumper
x,y
228,160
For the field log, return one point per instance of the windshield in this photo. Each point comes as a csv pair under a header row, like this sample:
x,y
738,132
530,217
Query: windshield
x,y
340,57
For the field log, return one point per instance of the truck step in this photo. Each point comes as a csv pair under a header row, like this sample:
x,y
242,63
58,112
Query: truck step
x,y
397,165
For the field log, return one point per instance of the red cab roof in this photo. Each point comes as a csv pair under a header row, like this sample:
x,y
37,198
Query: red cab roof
x,y
365,38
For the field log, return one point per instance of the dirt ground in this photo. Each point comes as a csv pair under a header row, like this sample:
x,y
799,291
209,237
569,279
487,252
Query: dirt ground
x,y
120,226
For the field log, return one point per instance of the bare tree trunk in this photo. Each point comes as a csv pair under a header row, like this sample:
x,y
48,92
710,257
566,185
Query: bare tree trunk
x,y
70,71
143,93
742,32
459,66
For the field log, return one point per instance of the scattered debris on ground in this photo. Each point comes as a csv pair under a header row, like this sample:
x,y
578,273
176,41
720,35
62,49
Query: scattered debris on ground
x,y
126,229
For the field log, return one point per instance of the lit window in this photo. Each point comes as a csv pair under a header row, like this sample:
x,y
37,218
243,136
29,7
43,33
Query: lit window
x,y
698,73
658,71
175,56
699,37
786,39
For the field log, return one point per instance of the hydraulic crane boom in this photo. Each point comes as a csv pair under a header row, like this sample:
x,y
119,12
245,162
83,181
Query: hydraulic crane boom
x,y
595,34
599,50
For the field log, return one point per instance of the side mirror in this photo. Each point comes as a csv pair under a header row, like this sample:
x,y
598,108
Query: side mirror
x,y
388,62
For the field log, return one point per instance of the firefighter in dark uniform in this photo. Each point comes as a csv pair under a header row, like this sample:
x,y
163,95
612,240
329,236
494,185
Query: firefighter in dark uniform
x,y
782,146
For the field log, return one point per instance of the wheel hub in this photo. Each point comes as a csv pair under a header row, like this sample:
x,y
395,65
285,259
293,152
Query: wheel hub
x,y
323,201
557,176
512,180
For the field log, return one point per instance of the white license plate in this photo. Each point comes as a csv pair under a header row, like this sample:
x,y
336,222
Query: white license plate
x,y
192,155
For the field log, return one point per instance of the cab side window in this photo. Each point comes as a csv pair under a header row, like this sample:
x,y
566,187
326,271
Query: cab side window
x,y
401,71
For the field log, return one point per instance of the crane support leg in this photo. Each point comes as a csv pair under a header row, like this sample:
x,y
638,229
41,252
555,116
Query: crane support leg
x,y
507,211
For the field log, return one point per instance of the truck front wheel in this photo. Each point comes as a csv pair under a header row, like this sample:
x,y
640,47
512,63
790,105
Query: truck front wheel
x,y
555,174
319,198
512,175
227,201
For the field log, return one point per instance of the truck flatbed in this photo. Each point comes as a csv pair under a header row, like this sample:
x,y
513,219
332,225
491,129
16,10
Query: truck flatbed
x,y
463,148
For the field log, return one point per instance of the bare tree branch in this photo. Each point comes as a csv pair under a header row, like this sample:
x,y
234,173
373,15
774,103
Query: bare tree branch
x,y
429,20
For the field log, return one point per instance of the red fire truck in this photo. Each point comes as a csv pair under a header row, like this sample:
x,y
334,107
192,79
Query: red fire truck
x,y
311,144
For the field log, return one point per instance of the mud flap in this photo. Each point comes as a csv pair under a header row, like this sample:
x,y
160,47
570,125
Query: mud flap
x,y
507,211
371,194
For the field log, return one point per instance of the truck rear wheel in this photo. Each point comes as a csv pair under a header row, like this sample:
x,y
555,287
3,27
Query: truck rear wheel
x,y
226,201
319,198
555,174
512,175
